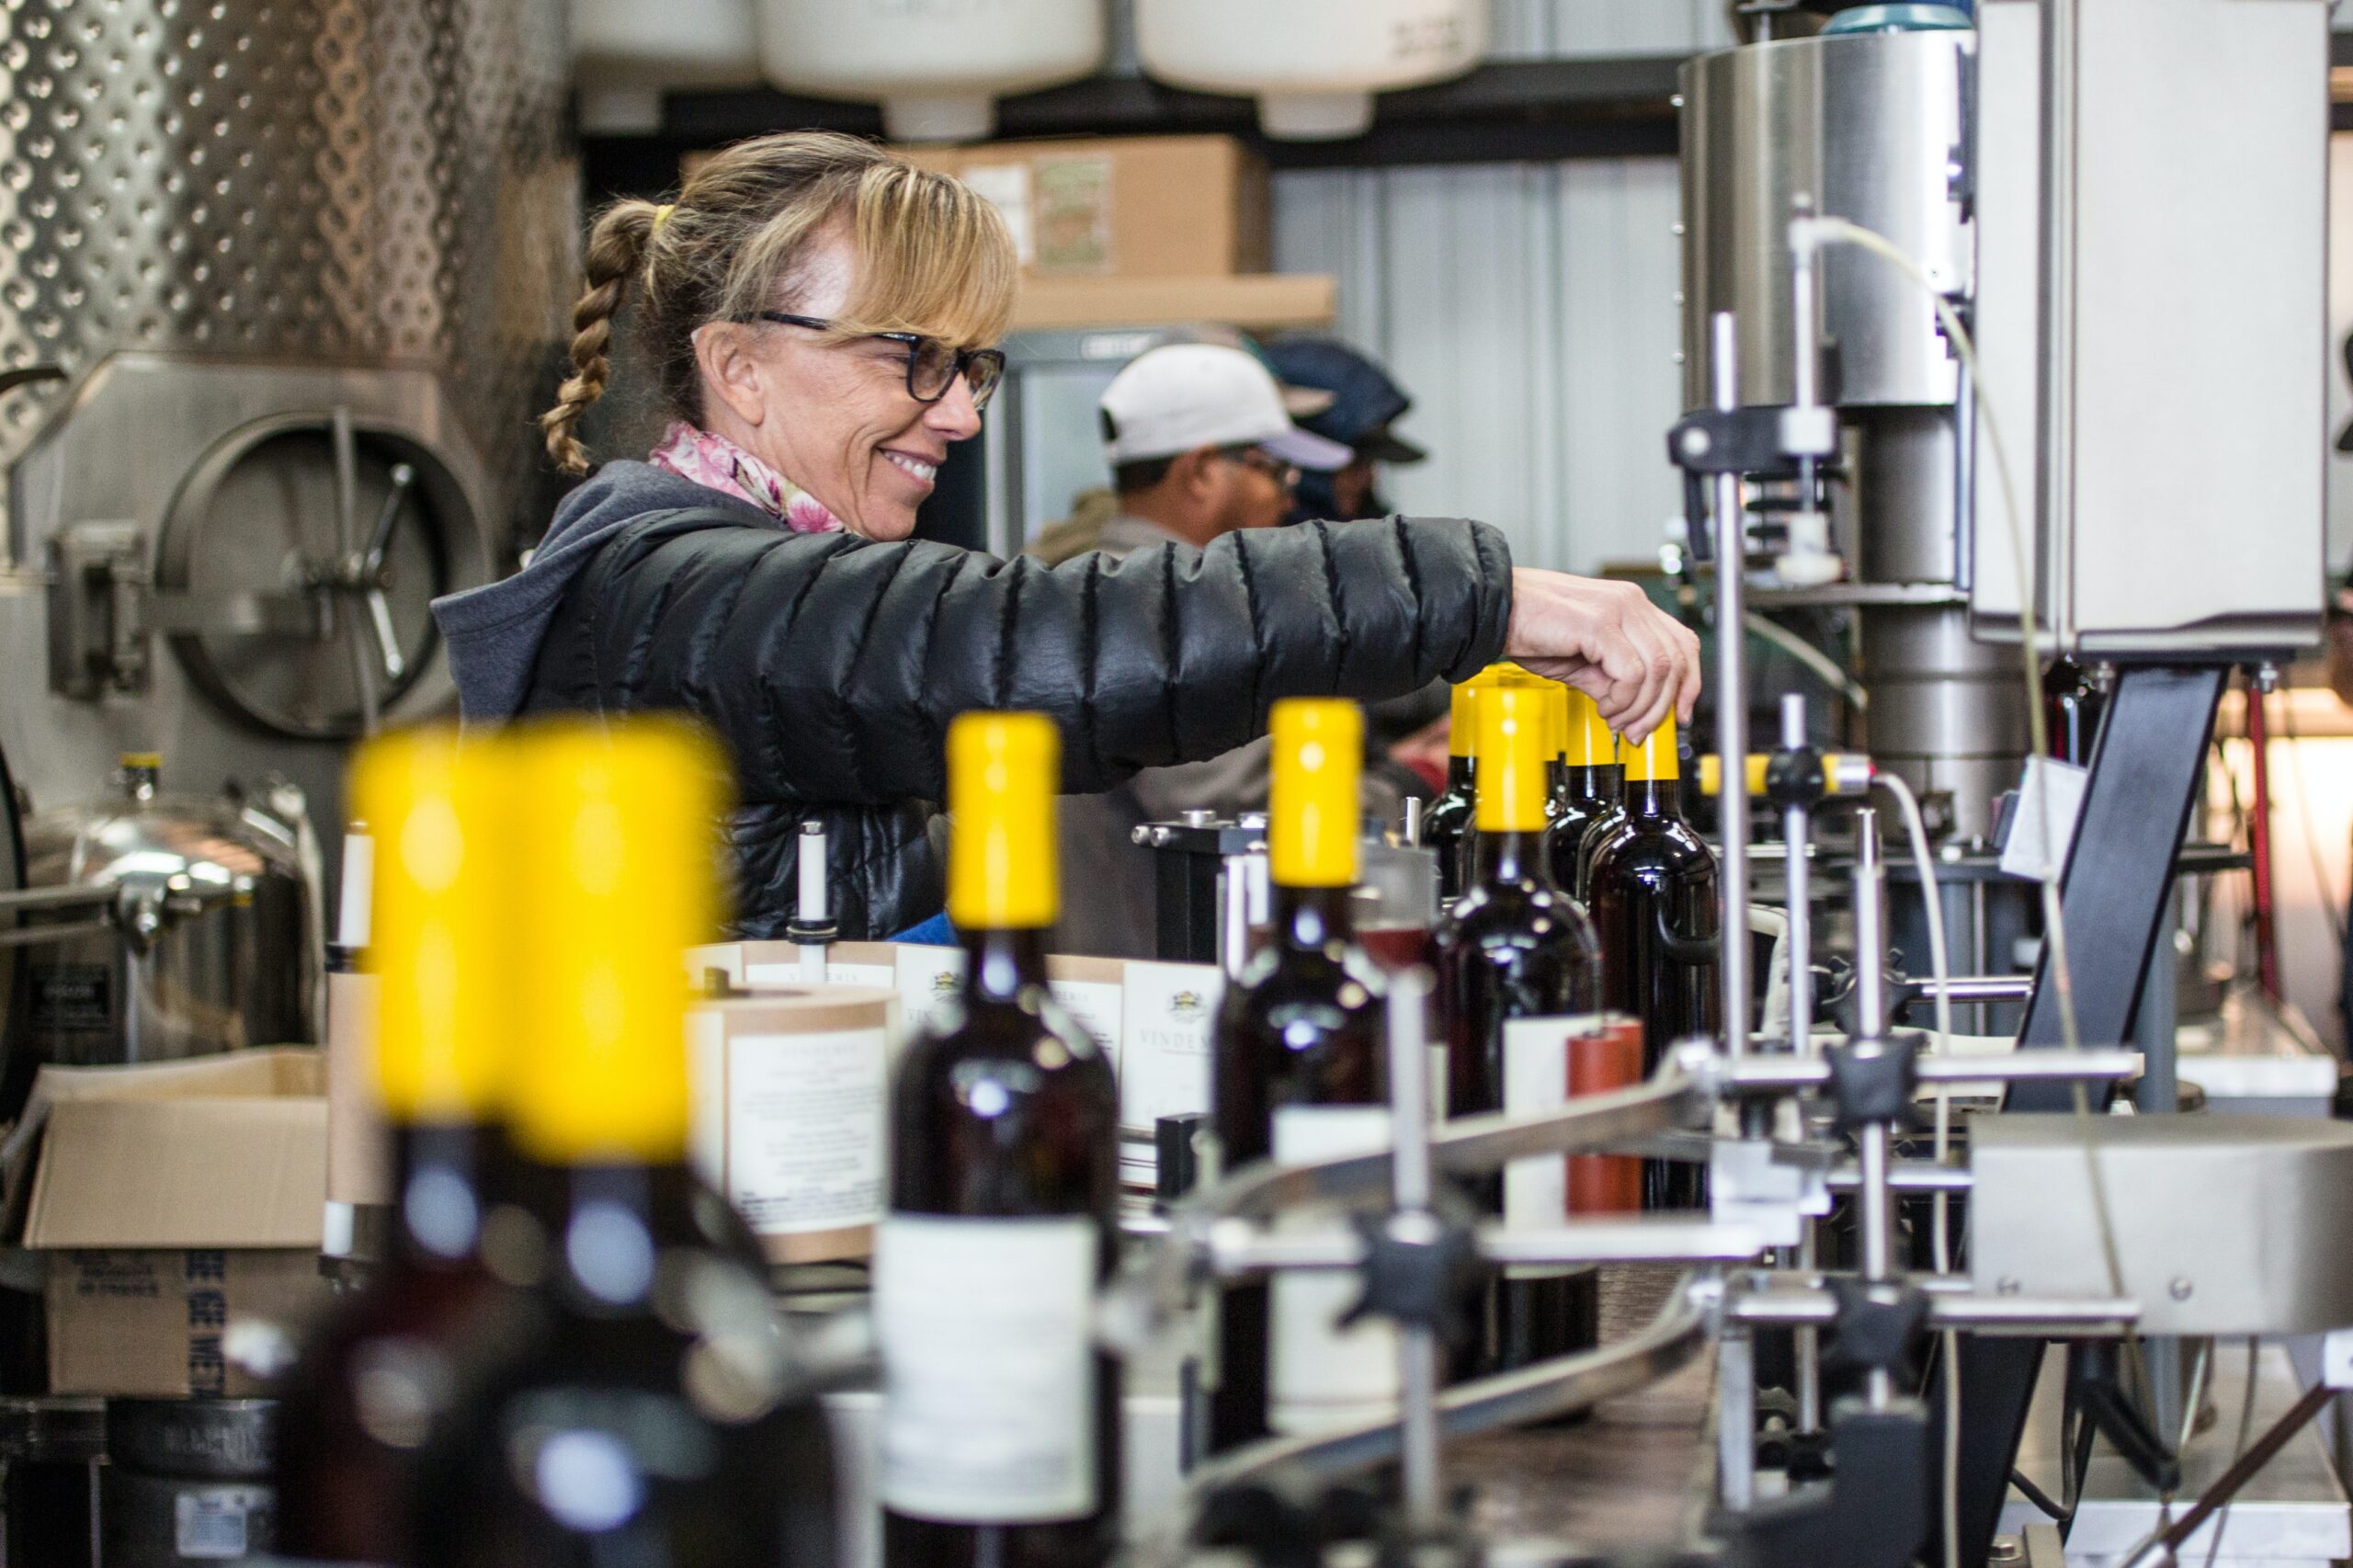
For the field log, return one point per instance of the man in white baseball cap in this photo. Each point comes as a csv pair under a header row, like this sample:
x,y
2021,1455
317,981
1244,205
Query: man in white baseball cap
x,y
1201,444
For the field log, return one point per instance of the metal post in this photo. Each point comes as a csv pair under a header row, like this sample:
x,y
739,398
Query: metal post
x,y
1410,1186
1874,1200
1797,825
1731,707
1736,1417
1409,833
812,918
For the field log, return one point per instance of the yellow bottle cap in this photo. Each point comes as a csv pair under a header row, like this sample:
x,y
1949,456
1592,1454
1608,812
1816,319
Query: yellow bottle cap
x,y
140,759
1462,721
1003,772
440,934
1591,744
1312,815
1655,757
1513,736
1556,718
620,859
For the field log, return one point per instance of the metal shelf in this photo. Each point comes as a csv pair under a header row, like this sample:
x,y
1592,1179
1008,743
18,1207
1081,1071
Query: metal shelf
x,y
1538,110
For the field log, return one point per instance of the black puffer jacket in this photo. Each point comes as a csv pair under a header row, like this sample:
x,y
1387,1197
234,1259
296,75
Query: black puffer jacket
x,y
831,666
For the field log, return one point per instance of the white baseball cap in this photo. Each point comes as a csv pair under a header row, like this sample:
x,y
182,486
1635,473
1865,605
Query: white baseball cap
x,y
1184,395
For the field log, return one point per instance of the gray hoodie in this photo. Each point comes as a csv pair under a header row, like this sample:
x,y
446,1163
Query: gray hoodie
x,y
494,630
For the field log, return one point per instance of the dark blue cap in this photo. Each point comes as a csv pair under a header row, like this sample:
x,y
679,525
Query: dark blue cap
x,y
1364,399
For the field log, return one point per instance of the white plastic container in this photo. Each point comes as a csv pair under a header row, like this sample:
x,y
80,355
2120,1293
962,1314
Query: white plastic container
x,y
627,53
1313,65
935,66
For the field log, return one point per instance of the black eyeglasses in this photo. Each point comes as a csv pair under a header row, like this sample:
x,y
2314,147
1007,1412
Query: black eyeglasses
x,y
1283,473
932,366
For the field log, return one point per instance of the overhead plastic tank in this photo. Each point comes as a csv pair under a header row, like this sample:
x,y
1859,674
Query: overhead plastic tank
x,y
935,66
1313,65
627,53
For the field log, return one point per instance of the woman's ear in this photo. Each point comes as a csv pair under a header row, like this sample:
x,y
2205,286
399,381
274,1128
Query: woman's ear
x,y
731,370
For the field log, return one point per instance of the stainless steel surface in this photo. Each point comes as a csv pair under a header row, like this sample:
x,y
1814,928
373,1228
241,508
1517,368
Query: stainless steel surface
x,y
1947,712
1237,1252
1735,1416
1866,125
2192,521
1410,1218
2223,1224
2027,1315
2293,1512
375,184
1782,1075
216,949
1544,1392
1732,717
1797,841
1982,987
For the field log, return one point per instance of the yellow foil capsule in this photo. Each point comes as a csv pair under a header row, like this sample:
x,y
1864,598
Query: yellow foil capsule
x,y
1312,820
620,862
1513,738
1591,741
442,921
1003,772
1655,757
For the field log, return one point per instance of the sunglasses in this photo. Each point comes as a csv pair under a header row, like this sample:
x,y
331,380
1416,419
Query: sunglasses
x,y
932,366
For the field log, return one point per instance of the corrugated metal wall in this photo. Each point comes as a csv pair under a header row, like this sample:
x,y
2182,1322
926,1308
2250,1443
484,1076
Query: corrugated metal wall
x,y
1529,308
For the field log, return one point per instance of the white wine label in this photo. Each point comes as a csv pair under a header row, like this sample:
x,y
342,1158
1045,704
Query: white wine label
x,y
927,978
837,973
1321,1375
1536,1079
1167,1020
988,1367
804,1129
1094,1005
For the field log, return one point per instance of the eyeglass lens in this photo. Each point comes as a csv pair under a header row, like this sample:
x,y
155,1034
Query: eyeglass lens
x,y
933,365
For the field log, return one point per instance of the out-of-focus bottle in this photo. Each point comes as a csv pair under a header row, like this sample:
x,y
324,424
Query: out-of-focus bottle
x,y
1001,1419
1651,888
372,1385
1298,1073
636,1402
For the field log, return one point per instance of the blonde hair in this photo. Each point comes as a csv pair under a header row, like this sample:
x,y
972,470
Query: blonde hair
x,y
932,257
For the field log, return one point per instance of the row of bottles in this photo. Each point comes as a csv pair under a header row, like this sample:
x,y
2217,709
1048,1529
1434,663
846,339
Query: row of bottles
x,y
1539,809
570,1355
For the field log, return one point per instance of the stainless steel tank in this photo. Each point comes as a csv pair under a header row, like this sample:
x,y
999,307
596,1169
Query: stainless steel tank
x,y
212,939
303,266
1872,126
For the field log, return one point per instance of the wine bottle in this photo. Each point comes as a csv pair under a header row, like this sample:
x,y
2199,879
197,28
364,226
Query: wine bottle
x,y
1000,1419
636,1403
1448,816
1518,972
1651,888
348,1444
1297,1070
1590,789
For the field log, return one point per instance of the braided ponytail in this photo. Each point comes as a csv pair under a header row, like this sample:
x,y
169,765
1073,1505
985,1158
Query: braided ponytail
x,y
616,252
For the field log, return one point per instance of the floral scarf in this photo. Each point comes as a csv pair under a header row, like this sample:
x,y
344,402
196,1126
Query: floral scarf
x,y
722,465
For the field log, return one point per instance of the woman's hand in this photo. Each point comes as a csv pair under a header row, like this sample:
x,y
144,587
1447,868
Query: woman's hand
x,y
1638,662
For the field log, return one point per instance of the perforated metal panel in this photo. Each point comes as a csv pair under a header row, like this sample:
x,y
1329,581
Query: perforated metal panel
x,y
346,180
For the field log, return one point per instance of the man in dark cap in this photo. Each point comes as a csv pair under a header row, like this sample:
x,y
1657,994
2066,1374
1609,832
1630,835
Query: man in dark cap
x,y
1365,404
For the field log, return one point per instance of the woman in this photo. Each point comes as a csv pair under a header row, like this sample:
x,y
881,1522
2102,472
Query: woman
x,y
819,315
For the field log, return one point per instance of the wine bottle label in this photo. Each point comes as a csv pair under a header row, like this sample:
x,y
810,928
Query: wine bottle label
x,y
1321,1375
1536,1079
988,1368
804,1129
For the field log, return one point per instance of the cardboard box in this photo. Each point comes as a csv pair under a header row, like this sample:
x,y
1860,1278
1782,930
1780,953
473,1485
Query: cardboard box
x,y
1121,206
1260,300
175,1205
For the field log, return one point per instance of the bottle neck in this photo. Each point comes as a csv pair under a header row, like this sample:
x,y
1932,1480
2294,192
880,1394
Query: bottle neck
x,y
1308,918
606,1228
1653,796
1601,783
1507,855
439,1172
1001,964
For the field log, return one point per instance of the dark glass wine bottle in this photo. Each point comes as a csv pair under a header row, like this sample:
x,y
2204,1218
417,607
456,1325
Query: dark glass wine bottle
x,y
1298,1069
1000,1419
1651,888
631,1399
1519,972
1591,790
348,1444
1448,819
